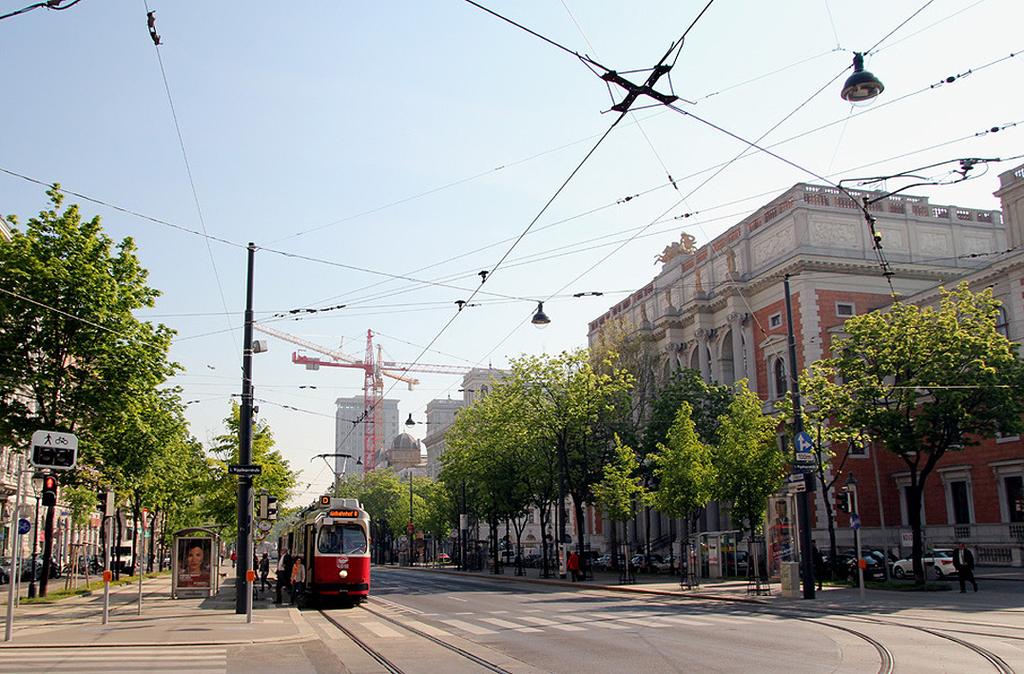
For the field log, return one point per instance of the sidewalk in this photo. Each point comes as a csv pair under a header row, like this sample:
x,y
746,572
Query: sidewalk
x,y
77,621
829,598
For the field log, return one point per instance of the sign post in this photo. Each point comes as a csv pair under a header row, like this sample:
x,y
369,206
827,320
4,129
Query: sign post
x,y
15,549
108,521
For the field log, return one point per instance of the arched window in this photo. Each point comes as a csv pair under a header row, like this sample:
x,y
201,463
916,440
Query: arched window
x,y
779,377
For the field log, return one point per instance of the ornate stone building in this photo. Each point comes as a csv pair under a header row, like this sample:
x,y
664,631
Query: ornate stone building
x,y
719,309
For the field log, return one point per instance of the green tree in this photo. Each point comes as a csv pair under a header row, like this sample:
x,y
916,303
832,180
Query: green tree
x,y
685,471
924,381
750,466
621,487
578,408
67,367
381,495
221,501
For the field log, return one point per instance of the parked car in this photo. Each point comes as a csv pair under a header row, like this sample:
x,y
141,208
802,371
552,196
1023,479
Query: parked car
x,y
444,559
603,563
658,564
938,564
874,568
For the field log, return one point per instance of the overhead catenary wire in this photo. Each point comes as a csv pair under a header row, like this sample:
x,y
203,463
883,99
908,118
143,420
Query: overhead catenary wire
x,y
49,4
188,169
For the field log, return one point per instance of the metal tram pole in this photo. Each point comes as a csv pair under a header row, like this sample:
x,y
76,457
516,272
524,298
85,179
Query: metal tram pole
x,y
242,589
803,498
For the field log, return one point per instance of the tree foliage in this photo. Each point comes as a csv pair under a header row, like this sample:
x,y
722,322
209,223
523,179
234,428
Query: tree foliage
x,y
684,468
924,381
750,466
621,488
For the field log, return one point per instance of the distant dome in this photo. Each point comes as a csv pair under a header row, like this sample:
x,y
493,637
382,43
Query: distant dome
x,y
405,441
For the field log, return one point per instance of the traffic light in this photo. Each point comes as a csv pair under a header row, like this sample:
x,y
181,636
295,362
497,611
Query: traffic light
x,y
49,490
843,501
271,512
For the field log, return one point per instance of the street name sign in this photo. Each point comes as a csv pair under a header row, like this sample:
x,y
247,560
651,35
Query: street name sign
x,y
52,449
238,469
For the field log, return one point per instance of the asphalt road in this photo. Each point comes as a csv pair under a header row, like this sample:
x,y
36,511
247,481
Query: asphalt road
x,y
520,627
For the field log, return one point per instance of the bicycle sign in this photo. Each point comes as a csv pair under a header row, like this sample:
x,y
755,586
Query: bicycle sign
x,y
52,449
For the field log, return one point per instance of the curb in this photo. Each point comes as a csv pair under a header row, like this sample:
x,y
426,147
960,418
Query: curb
x,y
610,588
161,644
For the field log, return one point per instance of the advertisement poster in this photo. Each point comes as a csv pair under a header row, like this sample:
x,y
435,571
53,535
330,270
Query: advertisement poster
x,y
194,558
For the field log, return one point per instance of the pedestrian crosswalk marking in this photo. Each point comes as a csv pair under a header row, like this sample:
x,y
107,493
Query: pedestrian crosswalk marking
x,y
544,622
428,629
608,625
509,625
380,629
199,660
468,627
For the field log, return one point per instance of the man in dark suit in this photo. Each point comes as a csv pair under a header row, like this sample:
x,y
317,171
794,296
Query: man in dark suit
x,y
963,562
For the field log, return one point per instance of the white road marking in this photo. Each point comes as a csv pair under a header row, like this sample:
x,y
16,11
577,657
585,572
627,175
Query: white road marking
x,y
428,629
468,627
551,623
510,625
380,629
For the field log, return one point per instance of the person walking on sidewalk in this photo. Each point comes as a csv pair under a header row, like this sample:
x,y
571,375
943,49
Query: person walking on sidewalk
x,y
264,571
573,564
284,574
963,562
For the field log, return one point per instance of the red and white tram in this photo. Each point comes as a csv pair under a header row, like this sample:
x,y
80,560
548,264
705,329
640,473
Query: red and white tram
x,y
333,538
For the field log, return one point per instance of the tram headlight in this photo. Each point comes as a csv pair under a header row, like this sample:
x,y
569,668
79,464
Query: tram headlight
x,y
343,573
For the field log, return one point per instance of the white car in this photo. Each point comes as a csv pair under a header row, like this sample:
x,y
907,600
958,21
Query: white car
x,y
938,564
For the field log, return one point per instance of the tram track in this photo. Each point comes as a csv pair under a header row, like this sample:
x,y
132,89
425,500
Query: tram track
x,y
388,664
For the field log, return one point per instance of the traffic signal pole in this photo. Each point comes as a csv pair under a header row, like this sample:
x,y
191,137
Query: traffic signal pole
x,y
242,589
44,576
803,497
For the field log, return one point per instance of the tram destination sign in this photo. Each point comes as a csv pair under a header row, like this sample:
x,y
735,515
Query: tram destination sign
x,y
343,513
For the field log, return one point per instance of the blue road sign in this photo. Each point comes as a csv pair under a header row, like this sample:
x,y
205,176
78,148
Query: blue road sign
x,y
804,447
24,526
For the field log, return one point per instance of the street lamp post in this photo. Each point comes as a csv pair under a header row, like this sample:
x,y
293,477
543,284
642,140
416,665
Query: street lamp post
x,y
851,487
411,527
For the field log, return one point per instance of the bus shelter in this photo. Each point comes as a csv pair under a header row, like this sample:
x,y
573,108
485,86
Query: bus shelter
x,y
195,565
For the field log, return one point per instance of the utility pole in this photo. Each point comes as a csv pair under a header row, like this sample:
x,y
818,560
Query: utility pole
x,y
242,589
803,497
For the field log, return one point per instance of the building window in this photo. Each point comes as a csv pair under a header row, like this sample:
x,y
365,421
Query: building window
x,y
775,321
1014,487
779,377
1002,324
960,499
905,506
844,309
783,442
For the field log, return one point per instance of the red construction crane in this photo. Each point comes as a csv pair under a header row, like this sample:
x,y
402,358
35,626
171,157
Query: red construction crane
x,y
374,368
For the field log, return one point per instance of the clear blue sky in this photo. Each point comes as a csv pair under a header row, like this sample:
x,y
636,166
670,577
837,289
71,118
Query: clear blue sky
x,y
299,115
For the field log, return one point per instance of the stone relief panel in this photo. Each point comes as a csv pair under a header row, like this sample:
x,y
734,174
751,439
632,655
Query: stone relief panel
x,y
773,243
829,233
892,238
721,268
977,243
934,243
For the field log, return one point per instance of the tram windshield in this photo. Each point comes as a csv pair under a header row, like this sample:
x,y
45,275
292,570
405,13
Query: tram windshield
x,y
342,539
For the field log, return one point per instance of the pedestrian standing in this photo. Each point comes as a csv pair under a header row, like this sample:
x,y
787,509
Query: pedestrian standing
x,y
963,562
284,573
234,558
264,571
819,562
298,578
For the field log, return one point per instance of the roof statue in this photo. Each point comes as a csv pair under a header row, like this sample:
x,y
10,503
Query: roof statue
x,y
685,246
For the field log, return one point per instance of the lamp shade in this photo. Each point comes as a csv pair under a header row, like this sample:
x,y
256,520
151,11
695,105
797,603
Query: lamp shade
x,y
861,86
